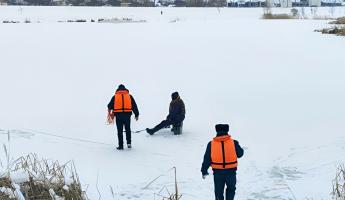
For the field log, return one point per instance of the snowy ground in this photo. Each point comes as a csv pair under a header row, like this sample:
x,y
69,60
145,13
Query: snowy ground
x,y
278,84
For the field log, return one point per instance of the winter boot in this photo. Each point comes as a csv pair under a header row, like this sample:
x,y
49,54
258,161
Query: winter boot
x,y
177,129
129,146
150,131
119,148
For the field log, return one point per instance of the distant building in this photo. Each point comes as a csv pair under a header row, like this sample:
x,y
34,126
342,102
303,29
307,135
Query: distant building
x,y
286,3
315,3
270,3
180,3
330,3
59,2
166,2
300,3
241,3
19,2
125,4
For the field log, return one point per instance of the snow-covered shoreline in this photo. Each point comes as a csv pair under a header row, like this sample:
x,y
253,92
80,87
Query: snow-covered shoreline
x,y
60,13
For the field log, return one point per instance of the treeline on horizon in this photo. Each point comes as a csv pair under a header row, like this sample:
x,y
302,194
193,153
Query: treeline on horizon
x,y
153,3
132,3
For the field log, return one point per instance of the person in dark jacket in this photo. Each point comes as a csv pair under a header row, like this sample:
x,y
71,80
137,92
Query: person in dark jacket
x,y
121,106
221,154
176,114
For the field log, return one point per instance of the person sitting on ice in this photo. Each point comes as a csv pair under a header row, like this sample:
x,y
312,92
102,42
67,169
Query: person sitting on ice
x,y
176,116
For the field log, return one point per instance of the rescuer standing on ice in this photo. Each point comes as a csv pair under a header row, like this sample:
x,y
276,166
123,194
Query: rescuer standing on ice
x,y
121,106
221,154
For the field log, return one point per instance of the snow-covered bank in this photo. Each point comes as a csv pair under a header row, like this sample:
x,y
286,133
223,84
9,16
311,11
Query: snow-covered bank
x,y
279,85
55,14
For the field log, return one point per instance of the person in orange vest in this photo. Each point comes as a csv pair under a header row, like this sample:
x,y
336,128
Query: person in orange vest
x,y
222,154
121,106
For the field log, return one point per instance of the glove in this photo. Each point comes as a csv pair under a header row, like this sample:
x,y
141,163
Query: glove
x,y
204,175
136,118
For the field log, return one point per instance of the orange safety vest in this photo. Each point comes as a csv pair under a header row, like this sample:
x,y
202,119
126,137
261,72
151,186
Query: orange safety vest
x,y
122,101
223,153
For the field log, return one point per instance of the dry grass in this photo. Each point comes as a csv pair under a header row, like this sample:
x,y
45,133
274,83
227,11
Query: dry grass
x,y
323,18
341,31
46,180
170,195
4,196
334,30
340,20
32,178
339,184
277,16
337,29
6,183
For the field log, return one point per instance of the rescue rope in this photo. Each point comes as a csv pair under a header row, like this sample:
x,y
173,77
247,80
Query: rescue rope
x,y
139,131
35,132
67,138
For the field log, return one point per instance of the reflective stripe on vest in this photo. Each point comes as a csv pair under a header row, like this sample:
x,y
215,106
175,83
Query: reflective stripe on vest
x,y
122,101
223,153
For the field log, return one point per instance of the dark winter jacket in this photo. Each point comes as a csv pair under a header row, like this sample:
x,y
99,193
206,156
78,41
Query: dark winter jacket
x,y
177,111
134,106
207,159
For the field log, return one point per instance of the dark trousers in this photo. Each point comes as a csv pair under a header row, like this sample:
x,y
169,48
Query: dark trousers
x,y
222,177
163,124
123,120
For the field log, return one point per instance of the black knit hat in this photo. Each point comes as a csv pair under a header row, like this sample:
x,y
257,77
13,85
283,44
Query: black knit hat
x,y
121,87
222,129
174,95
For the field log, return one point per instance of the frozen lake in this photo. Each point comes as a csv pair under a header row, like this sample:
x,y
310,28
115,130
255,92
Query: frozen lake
x,y
279,85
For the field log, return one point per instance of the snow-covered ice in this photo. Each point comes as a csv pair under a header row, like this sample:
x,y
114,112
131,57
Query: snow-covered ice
x,y
279,85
